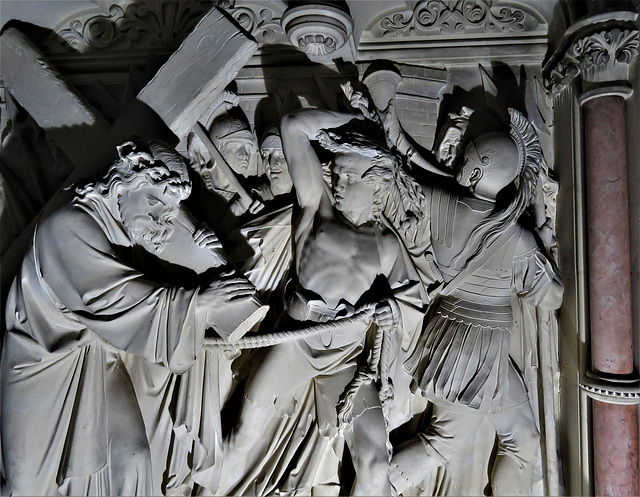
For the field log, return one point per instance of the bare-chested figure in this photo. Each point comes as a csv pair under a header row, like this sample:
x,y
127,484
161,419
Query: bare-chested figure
x,y
286,438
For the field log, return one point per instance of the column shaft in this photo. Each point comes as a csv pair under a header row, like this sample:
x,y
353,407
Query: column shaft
x,y
615,427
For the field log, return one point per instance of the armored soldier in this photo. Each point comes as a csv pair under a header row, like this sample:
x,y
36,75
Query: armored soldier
x,y
462,363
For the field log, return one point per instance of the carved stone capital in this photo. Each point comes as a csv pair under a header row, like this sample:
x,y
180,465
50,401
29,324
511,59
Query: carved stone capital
x,y
601,56
318,30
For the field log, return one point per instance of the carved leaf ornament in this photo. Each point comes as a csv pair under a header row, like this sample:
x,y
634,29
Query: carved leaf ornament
x,y
263,25
453,17
152,23
611,47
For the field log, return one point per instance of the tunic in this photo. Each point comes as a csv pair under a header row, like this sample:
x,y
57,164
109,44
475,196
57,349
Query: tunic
x,y
462,358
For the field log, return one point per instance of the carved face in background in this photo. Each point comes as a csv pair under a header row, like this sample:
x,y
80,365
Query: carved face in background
x,y
147,212
351,192
232,135
447,150
237,152
277,169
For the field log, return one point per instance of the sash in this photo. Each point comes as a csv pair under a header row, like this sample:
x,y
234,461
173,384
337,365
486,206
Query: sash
x,y
475,263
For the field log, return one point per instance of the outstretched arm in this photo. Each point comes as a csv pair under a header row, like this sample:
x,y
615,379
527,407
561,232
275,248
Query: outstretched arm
x,y
298,129
388,118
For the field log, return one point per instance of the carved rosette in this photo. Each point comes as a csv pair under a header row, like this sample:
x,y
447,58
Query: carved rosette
x,y
318,30
466,16
603,56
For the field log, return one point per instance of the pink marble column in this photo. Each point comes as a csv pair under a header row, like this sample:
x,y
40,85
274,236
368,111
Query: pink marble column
x,y
615,427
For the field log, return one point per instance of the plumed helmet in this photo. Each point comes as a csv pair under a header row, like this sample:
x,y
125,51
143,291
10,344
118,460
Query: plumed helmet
x,y
496,154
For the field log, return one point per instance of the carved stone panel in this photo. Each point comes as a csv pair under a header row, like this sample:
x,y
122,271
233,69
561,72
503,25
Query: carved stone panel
x,y
319,256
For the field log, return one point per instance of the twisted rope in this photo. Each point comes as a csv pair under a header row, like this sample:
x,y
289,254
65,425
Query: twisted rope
x,y
275,338
380,358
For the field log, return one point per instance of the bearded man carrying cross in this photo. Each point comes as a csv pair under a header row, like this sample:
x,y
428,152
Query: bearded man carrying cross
x,y
71,423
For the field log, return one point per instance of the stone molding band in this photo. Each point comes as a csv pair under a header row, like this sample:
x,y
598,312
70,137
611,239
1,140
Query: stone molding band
x,y
604,91
612,389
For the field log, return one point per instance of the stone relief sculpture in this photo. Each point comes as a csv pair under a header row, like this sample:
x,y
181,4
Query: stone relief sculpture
x,y
275,162
395,294
303,398
288,417
231,135
462,362
71,422
451,138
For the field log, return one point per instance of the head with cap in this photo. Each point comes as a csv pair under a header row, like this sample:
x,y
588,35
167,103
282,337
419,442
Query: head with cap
x,y
275,163
490,163
234,139
494,161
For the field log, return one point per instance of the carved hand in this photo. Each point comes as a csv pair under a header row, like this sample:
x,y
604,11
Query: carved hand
x,y
204,237
384,315
397,136
239,206
222,293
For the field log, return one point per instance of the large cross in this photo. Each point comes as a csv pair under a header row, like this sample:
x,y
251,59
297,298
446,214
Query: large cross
x,y
166,108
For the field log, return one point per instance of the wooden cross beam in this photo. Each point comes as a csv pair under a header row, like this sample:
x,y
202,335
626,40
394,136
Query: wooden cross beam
x,y
188,83
168,107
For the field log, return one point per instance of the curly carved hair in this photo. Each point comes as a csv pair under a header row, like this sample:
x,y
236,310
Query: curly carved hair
x,y
140,162
397,196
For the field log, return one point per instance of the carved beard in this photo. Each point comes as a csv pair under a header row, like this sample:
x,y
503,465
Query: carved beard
x,y
152,235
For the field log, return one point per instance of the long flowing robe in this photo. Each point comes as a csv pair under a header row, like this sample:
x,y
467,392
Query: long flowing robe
x,y
193,454
70,419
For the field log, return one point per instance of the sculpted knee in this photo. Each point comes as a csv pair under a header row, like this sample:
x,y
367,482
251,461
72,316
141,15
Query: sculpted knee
x,y
135,451
522,443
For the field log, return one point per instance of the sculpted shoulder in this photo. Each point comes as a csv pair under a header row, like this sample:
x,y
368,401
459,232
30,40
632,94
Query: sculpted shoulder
x,y
63,229
527,243
390,251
